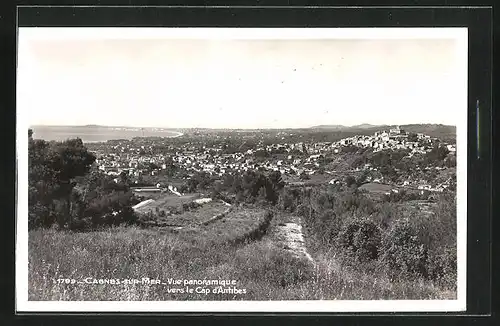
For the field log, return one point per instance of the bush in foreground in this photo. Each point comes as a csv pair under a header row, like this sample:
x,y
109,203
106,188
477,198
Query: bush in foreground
x,y
361,239
403,252
443,267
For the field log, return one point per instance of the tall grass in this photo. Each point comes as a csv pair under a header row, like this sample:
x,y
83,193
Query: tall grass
x,y
265,271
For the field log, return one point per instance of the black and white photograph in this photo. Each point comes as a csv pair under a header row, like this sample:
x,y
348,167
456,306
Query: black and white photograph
x,y
242,169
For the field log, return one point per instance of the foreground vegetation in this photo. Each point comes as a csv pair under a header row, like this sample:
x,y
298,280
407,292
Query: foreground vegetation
x,y
236,247
265,271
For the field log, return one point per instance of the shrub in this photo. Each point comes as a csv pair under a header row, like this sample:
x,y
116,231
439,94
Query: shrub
x,y
302,210
450,162
304,176
40,215
326,226
402,251
350,180
443,266
127,215
287,201
361,239
385,214
80,224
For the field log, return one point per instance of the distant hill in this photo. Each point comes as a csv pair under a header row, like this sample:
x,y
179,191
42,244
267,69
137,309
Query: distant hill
x,y
428,128
331,127
364,126
355,127
443,132
94,126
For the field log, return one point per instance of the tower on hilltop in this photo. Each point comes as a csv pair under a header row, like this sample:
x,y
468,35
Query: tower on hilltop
x,y
396,131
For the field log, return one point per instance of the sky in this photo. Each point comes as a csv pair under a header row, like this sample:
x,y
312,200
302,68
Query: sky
x,y
201,81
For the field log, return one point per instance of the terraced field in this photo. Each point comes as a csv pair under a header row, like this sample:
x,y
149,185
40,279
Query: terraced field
x,y
192,217
378,188
166,202
235,226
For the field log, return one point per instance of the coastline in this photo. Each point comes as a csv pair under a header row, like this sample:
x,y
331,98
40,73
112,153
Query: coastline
x,y
98,137
179,134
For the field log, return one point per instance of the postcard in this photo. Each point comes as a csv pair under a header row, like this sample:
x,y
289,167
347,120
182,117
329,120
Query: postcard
x,y
241,170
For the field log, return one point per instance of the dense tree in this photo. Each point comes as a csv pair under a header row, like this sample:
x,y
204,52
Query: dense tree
x,y
350,180
42,184
304,149
436,155
276,180
250,186
403,252
261,154
412,137
124,179
361,239
389,172
362,178
152,166
69,159
451,161
61,189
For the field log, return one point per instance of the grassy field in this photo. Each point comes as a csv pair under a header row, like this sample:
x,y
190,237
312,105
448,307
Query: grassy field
x,y
133,253
233,248
164,201
376,187
263,270
196,216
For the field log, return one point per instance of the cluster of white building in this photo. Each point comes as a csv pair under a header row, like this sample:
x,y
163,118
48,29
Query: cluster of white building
x,y
394,139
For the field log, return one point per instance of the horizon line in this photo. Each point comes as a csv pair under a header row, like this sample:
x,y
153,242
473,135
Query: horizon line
x,y
242,128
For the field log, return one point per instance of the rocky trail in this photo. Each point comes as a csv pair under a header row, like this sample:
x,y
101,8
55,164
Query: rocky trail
x,y
289,236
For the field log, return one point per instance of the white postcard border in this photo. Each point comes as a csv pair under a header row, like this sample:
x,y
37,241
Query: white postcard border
x,y
24,305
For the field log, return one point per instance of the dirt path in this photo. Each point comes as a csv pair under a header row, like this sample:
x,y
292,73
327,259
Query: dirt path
x,y
290,237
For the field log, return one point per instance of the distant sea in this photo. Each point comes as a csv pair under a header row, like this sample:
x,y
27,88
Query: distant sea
x,y
93,134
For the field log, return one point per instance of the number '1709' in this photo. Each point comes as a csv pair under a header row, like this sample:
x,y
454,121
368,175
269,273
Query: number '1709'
x,y
65,281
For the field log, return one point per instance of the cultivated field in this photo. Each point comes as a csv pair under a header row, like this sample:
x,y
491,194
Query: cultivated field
x,y
196,216
165,201
376,187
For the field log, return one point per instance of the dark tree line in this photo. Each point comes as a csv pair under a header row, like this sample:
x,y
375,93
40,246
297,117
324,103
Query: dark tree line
x,y
253,186
250,187
66,189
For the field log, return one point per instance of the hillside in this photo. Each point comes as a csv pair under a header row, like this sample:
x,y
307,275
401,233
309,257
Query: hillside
x,y
434,130
331,127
